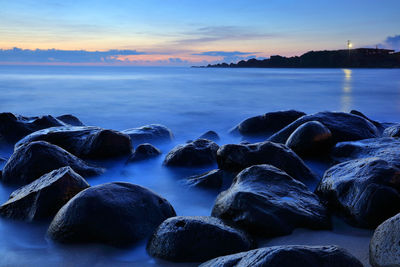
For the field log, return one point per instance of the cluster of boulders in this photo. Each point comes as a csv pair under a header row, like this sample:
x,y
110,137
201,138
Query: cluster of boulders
x,y
270,189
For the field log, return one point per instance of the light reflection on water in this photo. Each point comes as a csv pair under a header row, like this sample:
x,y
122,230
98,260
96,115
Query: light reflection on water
x,y
190,102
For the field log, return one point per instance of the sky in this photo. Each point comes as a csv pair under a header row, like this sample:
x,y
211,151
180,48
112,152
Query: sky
x,y
188,32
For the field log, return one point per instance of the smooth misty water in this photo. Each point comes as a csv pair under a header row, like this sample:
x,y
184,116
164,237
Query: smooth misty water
x,y
190,102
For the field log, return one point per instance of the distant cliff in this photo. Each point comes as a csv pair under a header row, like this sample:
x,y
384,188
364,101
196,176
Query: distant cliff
x,y
353,58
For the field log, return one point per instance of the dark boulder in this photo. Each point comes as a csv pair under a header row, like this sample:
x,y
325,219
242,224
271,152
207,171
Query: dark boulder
x,y
153,134
288,256
196,239
264,200
378,125
384,247
71,120
386,148
365,191
118,214
268,123
197,153
14,127
211,179
210,135
42,198
84,141
143,152
32,160
392,131
310,139
343,126
235,158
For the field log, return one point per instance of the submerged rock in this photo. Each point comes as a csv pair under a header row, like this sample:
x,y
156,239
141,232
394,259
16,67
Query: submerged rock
x,y
42,198
195,239
153,133
392,131
343,126
84,141
310,139
118,214
386,148
197,153
235,158
71,120
365,191
384,247
268,123
211,179
14,127
264,200
143,152
280,256
32,160
210,135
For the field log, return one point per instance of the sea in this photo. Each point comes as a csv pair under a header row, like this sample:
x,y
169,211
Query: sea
x,y
190,102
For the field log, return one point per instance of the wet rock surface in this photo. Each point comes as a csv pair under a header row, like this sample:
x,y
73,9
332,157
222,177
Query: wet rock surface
x,y
234,157
152,133
265,201
42,198
71,120
279,256
32,160
143,152
392,131
210,135
365,191
212,179
117,214
197,153
196,239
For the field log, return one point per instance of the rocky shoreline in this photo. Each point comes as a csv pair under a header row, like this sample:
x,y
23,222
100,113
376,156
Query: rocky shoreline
x,y
270,190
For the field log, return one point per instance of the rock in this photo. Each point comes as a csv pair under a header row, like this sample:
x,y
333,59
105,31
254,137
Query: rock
x,y
118,214
211,179
70,119
268,123
310,139
378,125
235,158
384,247
144,151
264,200
343,126
197,153
210,135
14,127
279,256
42,198
153,134
195,239
84,141
32,160
365,191
392,131
386,148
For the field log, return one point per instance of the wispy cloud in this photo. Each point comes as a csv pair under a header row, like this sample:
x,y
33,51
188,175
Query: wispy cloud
x,y
230,56
393,42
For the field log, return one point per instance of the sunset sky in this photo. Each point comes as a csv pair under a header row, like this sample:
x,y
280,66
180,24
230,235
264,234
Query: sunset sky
x,y
173,32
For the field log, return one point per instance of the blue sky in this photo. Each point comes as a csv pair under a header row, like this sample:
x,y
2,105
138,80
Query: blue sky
x,y
187,31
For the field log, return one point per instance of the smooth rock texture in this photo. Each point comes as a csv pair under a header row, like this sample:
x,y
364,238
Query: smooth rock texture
x,y
197,153
386,148
210,135
265,201
268,123
392,131
14,127
235,158
42,198
32,160
152,133
118,214
343,126
211,179
143,152
195,239
384,248
377,124
310,139
71,120
84,141
288,256
365,191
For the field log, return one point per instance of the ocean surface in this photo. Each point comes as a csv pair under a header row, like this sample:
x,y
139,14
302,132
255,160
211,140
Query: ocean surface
x,y
189,101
